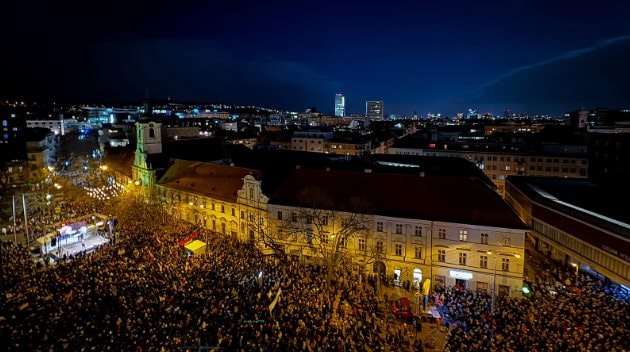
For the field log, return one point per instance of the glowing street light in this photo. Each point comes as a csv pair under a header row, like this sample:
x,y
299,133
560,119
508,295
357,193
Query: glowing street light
x,y
577,272
494,276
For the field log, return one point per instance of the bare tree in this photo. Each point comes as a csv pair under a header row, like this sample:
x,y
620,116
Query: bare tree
x,y
325,228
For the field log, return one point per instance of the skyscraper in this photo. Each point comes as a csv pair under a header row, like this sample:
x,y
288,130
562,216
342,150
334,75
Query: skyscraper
x,y
340,105
374,110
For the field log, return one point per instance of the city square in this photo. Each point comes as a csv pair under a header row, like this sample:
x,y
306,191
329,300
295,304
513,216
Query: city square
x,y
315,176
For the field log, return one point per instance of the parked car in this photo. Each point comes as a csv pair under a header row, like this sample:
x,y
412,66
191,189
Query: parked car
x,y
401,308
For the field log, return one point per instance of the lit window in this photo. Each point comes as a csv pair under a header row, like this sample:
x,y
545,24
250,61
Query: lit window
x,y
463,235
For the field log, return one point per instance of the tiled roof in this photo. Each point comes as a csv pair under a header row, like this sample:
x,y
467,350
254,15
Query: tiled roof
x,y
443,198
213,180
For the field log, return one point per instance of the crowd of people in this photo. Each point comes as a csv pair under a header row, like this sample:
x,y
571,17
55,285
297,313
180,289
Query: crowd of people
x,y
563,314
143,294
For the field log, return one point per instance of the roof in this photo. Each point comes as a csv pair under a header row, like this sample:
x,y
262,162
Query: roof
x,y
213,180
602,205
120,160
461,200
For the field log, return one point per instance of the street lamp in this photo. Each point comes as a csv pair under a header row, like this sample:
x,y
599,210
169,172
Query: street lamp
x,y
577,272
494,276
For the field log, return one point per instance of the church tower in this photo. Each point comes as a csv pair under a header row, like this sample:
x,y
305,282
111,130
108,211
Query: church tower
x,y
148,143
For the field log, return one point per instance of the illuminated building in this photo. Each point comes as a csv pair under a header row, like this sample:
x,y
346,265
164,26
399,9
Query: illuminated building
x,y
374,110
576,222
340,105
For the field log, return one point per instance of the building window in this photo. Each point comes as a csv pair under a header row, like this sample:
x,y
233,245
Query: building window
x,y
279,215
418,253
325,220
379,226
484,238
361,244
242,214
309,219
233,212
462,258
463,235
418,231
441,233
399,229
506,241
213,206
379,246
398,249
441,257
223,208
483,261
343,243
505,264
294,217
324,238
252,217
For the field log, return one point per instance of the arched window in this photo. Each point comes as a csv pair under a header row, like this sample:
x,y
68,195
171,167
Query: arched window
x,y
151,133
417,276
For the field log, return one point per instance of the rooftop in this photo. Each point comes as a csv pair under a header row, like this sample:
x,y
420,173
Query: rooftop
x,y
213,180
605,206
461,200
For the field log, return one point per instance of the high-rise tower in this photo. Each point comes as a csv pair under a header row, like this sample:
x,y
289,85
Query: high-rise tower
x,y
340,105
374,110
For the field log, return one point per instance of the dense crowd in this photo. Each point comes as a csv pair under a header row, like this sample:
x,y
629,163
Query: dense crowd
x,y
45,219
561,315
144,294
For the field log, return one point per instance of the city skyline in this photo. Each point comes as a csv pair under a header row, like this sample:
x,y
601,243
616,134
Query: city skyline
x,y
525,57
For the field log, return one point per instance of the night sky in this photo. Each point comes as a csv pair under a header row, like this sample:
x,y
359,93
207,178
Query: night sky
x,y
423,56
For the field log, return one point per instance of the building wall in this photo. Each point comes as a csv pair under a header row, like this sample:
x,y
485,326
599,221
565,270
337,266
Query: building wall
x,y
571,241
307,144
498,166
411,250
